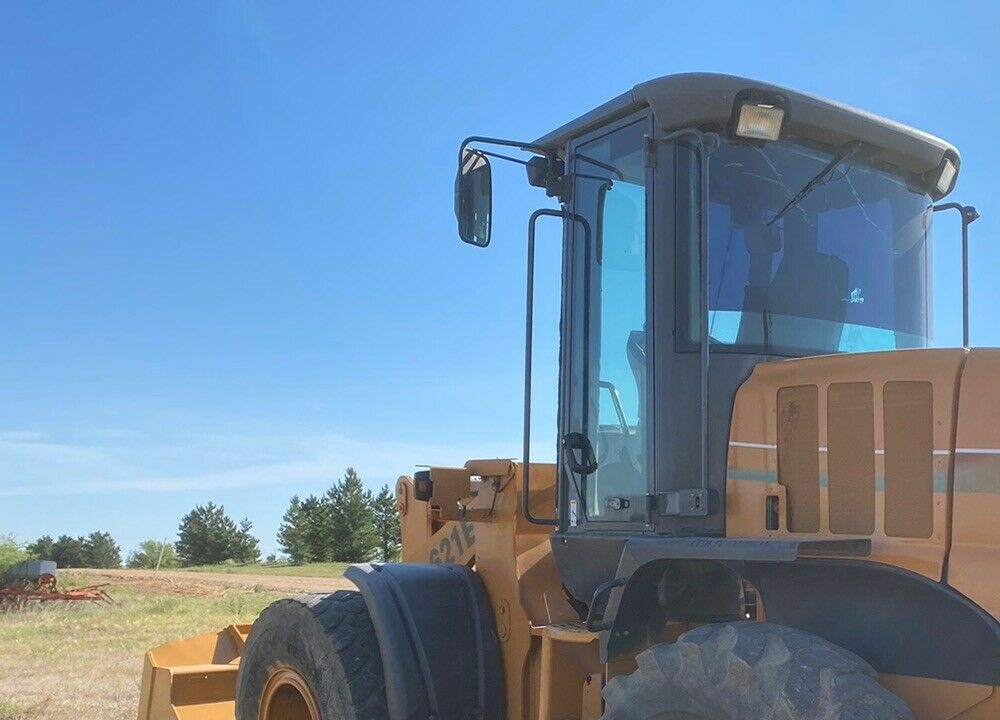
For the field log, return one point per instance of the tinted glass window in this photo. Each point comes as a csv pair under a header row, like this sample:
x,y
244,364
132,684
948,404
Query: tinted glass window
x,y
608,366
842,269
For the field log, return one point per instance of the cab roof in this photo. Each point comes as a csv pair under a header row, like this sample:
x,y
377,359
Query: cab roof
x,y
707,99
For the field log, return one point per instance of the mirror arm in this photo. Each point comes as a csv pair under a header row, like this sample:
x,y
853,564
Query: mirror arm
x,y
500,156
526,146
552,177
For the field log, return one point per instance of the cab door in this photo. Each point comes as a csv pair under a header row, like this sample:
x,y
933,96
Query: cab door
x,y
606,360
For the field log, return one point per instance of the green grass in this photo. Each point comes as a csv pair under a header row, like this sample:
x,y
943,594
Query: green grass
x,y
325,569
65,662
10,710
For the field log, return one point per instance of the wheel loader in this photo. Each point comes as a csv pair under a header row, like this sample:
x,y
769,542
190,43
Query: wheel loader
x,y
774,498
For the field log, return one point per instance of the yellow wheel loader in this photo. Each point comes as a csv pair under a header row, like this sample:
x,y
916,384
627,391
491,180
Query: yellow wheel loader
x,y
773,499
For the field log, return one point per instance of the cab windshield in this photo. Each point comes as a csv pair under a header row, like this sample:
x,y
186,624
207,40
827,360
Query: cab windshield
x,y
840,268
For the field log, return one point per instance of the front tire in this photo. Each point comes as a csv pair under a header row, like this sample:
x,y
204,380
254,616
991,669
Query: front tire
x,y
315,657
743,670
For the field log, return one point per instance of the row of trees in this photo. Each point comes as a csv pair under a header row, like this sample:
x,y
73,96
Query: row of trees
x,y
97,550
346,524
206,536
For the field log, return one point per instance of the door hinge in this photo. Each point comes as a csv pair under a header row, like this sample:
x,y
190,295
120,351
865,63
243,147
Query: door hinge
x,y
649,151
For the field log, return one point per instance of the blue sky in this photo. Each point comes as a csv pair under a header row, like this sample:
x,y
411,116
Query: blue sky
x,y
228,261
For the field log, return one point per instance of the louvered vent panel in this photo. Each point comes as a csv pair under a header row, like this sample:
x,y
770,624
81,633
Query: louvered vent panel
x,y
850,423
909,459
798,454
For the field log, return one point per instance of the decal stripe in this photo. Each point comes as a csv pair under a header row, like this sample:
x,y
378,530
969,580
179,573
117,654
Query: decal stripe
x,y
771,476
755,446
878,451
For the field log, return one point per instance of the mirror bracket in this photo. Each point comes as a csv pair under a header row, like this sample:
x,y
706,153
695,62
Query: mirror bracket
x,y
547,172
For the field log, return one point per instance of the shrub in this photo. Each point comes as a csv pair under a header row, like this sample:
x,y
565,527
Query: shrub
x,y
11,552
148,553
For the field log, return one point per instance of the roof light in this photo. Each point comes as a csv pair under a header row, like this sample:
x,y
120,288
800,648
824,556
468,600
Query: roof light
x,y
947,176
760,121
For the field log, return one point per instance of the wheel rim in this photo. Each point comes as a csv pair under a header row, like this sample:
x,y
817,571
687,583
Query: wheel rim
x,y
287,696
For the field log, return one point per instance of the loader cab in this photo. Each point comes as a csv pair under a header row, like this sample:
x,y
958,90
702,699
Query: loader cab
x,y
711,223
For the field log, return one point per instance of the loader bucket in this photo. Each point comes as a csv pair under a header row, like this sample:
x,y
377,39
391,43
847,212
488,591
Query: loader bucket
x,y
194,678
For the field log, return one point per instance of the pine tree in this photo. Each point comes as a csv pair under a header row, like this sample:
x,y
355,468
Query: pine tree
x,y
69,552
346,524
42,548
387,525
354,538
316,529
291,534
244,547
207,536
101,551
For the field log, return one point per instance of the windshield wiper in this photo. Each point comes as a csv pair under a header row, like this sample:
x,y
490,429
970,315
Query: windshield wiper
x,y
824,175
603,166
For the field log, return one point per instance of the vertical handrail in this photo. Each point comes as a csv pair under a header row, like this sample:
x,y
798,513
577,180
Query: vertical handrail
x,y
529,312
969,216
703,239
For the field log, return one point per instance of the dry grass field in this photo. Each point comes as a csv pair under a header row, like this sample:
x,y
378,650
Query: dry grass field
x,y
85,660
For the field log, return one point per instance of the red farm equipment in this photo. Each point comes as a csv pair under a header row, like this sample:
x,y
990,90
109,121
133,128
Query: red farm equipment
x,y
34,581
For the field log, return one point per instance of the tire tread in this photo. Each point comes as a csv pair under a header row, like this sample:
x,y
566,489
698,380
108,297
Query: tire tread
x,y
731,671
357,691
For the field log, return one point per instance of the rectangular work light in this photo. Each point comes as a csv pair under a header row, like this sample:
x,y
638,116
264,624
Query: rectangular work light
x,y
760,121
947,176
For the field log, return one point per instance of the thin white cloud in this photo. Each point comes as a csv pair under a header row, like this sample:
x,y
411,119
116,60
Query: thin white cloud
x,y
40,468
20,436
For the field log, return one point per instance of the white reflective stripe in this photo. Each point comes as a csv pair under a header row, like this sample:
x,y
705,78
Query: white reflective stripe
x,y
878,451
757,446
978,451
881,451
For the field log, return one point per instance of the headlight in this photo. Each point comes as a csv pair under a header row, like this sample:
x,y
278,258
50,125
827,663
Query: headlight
x,y
947,176
760,121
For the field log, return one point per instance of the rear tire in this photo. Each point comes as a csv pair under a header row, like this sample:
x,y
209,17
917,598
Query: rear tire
x,y
742,670
315,657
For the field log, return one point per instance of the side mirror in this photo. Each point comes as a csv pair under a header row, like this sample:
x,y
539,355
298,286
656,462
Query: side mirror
x,y
474,198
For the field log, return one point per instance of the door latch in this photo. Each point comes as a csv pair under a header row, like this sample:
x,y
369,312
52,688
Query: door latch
x,y
696,502
617,503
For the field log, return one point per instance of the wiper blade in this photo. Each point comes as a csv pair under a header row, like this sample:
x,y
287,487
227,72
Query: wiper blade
x,y
603,166
824,175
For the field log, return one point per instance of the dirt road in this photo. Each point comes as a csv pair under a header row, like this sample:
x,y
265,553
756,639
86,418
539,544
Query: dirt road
x,y
181,582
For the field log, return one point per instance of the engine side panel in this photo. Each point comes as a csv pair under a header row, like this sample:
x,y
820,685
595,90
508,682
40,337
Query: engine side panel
x,y
849,446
